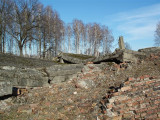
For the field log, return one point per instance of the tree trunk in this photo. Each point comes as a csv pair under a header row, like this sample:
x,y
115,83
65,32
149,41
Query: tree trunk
x,y
40,48
44,49
0,38
20,48
3,39
0,43
55,47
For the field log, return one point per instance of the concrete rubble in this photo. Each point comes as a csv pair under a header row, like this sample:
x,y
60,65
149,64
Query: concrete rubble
x,y
119,55
125,85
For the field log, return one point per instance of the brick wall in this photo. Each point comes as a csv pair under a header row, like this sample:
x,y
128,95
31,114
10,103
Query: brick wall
x,y
137,98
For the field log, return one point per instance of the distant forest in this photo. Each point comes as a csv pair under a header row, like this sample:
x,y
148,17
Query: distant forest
x,y
27,28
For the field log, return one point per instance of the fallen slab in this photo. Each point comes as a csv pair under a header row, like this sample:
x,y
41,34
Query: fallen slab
x,y
75,58
5,88
120,55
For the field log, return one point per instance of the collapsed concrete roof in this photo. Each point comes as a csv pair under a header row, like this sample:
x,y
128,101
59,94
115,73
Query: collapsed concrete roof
x,y
119,55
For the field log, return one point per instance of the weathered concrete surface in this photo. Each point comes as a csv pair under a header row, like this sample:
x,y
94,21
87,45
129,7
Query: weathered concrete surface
x,y
5,87
151,50
121,56
23,77
121,43
62,73
30,77
75,58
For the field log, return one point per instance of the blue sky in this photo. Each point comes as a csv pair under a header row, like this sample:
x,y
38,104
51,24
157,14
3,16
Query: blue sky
x,y
135,20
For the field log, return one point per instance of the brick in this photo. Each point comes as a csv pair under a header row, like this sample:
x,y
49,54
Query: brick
x,y
149,82
157,84
141,110
137,116
158,110
130,79
120,98
146,76
143,114
125,88
122,106
126,101
127,116
127,83
141,78
157,101
135,103
117,118
138,84
153,116
109,106
121,111
116,93
151,111
144,105
133,89
136,98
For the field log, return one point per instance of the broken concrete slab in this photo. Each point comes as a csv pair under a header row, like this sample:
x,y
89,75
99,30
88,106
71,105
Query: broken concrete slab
x,y
64,67
58,79
5,88
63,73
120,56
151,50
75,58
23,77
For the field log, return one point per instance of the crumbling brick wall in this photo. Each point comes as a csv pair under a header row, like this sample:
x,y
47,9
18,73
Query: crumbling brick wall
x,y
137,98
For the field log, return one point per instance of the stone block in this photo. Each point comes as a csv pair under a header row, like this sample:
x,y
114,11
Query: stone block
x,y
5,88
58,79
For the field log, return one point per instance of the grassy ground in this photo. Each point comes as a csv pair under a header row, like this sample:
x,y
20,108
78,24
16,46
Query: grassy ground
x,y
17,61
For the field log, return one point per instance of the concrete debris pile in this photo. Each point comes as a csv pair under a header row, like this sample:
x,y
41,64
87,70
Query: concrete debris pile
x,y
106,91
120,55
13,77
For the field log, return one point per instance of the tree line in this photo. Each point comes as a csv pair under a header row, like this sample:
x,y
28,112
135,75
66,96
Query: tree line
x,y
29,28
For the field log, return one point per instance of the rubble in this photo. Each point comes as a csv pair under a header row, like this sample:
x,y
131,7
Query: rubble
x,y
5,87
106,91
119,55
137,99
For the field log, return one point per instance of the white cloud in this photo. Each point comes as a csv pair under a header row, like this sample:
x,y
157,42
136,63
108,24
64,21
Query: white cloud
x,y
138,24
144,12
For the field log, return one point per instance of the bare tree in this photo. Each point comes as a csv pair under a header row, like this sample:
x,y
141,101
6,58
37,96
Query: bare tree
x,y
77,30
25,25
97,38
88,50
58,32
127,46
157,35
107,40
23,17
5,8
69,35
